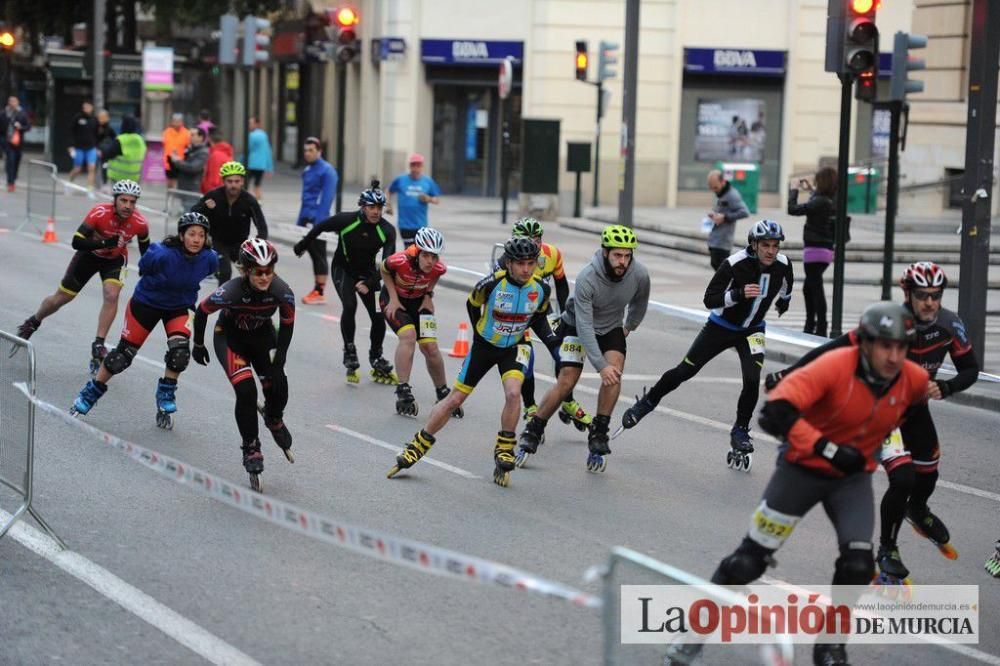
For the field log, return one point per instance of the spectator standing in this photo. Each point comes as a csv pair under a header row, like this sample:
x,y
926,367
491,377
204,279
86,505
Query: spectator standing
x,y
84,149
259,160
191,169
728,208
126,153
106,136
206,124
219,153
13,124
319,185
176,138
817,242
413,191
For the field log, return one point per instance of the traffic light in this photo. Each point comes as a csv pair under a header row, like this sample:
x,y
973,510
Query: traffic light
x,y
605,59
229,25
345,22
7,40
256,40
582,61
851,36
866,88
902,63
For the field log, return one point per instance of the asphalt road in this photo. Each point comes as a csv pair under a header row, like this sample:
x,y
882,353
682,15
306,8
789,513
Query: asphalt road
x,y
272,597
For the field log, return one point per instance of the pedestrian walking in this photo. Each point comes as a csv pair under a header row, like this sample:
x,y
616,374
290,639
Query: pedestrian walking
x,y
84,147
319,184
13,124
413,191
729,207
259,158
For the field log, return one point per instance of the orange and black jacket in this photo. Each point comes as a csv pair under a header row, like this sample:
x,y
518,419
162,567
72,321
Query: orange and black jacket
x,y
828,400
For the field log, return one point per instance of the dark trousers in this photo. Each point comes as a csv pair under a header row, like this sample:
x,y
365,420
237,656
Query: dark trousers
x,y
344,283
13,157
815,298
716,256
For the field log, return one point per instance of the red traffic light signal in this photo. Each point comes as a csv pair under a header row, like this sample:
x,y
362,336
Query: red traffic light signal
x,y
345,22
866,86
7,40
582,61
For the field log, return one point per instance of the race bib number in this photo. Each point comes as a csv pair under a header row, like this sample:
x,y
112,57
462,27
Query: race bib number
x,y
428,327
770,528
756,342
524,355
571,350
892,446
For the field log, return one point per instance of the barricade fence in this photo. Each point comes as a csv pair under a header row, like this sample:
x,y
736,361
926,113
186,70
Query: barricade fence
x,y
40,205
17,427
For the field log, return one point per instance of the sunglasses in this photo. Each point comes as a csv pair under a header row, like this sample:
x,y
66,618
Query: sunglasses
x,y
262,272
924,295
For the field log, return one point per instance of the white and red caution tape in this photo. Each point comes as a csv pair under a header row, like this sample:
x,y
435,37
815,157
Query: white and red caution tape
x,y
372,543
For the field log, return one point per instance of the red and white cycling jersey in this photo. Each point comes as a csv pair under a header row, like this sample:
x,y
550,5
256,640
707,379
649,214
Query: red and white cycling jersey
x,y
410,281
106,224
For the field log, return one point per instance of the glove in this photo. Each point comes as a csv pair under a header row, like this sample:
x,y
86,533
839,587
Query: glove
x,y
300,248
772,379
781,305
200,354
845,458
110,242
945,388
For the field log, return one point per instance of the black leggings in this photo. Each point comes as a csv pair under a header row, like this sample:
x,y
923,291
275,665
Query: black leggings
x,y
317,252
716,256
344,283
228,253
712,341
238,354
814,296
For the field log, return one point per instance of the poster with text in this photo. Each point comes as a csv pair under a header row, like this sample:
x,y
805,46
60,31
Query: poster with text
x,y
731,130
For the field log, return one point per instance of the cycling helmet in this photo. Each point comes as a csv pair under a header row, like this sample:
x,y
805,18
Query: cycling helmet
x,y
373,196
923,274
191,219
887,321
519,248
618,236
429,240
257,252
126,187
528,227
232,168
765,230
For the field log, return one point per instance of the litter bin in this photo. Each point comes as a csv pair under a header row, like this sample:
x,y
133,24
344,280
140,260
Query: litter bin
x,y
745,177
862,189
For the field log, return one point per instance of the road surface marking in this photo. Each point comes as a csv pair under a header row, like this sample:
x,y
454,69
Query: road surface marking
x,y
395,449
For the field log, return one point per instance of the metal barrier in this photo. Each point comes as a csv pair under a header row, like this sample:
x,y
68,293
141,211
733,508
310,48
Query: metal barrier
x,y
41,199
653,572
17,427
176,204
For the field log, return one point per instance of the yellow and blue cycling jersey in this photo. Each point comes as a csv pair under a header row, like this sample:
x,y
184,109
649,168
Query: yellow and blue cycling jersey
x,y
550,263
503,311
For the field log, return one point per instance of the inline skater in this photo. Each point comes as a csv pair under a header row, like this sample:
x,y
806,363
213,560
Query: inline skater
x,y
550,267
230,210
831,417
244,338
361,234
101,248
609,302
501,308
408,280
169,276
739,295
992,565
911,457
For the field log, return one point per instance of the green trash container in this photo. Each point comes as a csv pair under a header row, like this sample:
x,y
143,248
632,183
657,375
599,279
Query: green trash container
x,y
745,178
862,189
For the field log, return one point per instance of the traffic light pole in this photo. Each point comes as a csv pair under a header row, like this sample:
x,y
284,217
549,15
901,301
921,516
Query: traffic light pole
x,y
597,139
978,183
891,197
506,110
341,112
840,229
246,115
626,183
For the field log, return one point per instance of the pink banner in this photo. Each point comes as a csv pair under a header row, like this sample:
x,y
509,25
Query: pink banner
x,y
153,170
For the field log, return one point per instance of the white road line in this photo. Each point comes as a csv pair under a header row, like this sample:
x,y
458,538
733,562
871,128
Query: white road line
x,y
212,648
939,641
653,378
395,449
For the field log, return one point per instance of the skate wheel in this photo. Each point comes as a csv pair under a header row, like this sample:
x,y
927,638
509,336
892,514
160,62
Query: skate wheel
x,y
729,459
520,458
580,426
501,478
747,461
288,455
255,483
165,421
392,472
564,417
353,378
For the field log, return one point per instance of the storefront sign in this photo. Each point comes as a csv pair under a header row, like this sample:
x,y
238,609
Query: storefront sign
x,y
730,129
158,68
745,62
469,51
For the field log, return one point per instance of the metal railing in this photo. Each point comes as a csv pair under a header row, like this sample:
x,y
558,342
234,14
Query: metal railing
x,y
41,200
176,204
17,427
653,572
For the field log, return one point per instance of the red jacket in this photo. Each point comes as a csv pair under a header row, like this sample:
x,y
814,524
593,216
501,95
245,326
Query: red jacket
x,y
218,154
833,402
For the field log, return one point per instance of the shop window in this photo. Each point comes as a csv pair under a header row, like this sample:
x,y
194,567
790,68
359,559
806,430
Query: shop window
x,y
953,186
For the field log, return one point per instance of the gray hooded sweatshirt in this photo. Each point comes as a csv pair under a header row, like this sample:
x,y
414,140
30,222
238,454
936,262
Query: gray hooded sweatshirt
x,y
598,305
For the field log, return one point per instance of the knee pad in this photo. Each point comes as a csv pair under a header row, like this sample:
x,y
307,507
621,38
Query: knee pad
x,y
856,564
178,354
119,358
745,565
903,479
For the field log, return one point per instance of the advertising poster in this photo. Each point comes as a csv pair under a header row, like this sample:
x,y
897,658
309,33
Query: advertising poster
x,y
730,130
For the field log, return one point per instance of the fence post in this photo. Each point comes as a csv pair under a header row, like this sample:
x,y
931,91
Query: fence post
x,y
40,203
17,427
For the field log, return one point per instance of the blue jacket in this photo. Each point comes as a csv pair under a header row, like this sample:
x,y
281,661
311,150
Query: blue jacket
x,y
319,185
260,152
169,279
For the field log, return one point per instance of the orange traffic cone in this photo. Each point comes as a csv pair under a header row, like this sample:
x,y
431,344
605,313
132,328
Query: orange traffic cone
x,y
50,232
461,347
